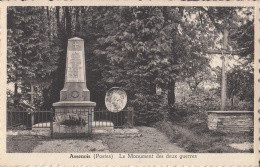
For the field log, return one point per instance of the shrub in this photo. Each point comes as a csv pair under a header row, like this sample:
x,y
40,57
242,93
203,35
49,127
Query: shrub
x,y
184,137
148,109
73,121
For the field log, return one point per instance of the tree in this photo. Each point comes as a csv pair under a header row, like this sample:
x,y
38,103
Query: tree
x,y
200,76
240,83
143,52
243,38
31,55
136,48
239,22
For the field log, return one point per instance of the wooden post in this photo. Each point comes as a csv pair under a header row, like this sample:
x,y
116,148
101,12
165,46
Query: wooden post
x,y
130,116
32,119
223,84
32,93
90,116
31,102
51,121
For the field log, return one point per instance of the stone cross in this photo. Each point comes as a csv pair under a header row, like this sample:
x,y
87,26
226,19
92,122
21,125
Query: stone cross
x,y
75,88
32,94
75,45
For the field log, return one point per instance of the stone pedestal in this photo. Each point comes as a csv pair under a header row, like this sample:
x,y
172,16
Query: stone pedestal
x,y
231,121
74,110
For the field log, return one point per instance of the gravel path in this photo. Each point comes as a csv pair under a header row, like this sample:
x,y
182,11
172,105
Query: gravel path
x,y
151,141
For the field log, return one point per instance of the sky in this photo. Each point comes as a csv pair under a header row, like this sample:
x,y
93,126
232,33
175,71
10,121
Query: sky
x,y
231,61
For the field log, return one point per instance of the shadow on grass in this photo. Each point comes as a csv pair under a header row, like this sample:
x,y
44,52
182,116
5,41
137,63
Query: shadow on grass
x,y
22,144
27,143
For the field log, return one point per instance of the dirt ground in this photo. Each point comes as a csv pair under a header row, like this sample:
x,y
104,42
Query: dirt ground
x,y
22,144
150,141
70,145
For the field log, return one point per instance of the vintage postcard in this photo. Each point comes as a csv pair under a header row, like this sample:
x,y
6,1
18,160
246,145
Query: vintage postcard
x,y
129,83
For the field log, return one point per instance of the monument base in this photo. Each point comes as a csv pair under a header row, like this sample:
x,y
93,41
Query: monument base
x,y
74,114
74,92
231,121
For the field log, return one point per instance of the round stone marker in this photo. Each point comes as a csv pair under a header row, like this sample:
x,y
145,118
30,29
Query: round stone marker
x,y
115,99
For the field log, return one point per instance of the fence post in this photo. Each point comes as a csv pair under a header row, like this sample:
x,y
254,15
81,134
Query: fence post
x,y
51,122
130,116
32,118
31,121
91,119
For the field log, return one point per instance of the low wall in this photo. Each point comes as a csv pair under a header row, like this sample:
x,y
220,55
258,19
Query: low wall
x,y
231,121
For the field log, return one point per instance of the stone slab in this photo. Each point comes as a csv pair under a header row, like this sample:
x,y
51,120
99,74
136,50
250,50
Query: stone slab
x,y
101,130
74,104
229,112
242,146
38,132
131,131
103,124
231,121
41,125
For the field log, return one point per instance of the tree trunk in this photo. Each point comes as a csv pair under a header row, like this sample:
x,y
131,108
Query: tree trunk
x,y
16,100
63,18
58,15
77,28
15,89
68,21
171,93
49,22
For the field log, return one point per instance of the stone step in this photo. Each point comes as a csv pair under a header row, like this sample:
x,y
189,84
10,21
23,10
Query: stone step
x,y
98,125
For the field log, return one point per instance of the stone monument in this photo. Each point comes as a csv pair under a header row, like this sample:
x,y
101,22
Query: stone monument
x,y
75,96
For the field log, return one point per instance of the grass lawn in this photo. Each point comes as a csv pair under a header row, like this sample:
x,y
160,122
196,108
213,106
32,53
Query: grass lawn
x,y
184,136
196,138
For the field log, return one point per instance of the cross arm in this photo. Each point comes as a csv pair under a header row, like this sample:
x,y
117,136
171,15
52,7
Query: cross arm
x,y
224,52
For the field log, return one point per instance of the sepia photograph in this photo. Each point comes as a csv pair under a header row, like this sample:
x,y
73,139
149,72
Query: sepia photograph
x,y
138,80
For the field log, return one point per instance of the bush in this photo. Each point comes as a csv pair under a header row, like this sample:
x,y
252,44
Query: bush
x,y
148,109
184,137
73,121
200,100
240,106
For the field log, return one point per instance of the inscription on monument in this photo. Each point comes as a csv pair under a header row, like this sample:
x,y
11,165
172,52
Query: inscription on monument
x,y
75,67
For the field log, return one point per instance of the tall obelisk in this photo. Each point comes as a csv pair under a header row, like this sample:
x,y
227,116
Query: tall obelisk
x,y
75,97
75,88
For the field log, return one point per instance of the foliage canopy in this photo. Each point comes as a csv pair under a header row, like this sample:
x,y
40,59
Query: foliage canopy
x,y
135,48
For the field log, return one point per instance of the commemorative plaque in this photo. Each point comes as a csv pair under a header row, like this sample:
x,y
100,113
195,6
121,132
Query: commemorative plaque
x,y
115,99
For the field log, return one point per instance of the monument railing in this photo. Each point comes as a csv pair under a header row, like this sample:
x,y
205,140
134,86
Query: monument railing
x,y
121,119
27,120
